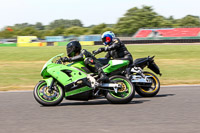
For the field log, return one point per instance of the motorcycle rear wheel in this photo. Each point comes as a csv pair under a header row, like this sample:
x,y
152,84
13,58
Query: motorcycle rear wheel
x,y
45,98
149,91
125,94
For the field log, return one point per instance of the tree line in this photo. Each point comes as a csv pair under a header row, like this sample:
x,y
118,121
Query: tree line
x,y
134,19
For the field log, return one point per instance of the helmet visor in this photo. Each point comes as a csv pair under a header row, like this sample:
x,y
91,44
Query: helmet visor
x,y
70,51
106,40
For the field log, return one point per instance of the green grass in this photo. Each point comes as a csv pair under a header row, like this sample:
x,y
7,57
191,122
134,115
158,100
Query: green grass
x,y
20,67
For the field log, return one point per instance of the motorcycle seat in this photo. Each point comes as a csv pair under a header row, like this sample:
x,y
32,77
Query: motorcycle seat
x,y
103,61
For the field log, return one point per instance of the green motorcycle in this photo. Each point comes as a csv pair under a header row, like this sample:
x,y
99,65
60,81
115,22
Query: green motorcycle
x,y
75,82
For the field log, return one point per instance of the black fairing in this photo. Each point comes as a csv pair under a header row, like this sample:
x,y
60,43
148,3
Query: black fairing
x,y
81,96
85,96
152,65
74,86
147,61
141,62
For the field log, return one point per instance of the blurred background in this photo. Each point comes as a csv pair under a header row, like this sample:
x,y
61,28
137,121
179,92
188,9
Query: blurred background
x,y
170,30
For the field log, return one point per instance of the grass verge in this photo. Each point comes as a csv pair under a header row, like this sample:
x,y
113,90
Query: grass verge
x,y
20,67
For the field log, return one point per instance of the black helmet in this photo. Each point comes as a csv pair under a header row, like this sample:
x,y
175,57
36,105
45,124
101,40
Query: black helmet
x,y
73,48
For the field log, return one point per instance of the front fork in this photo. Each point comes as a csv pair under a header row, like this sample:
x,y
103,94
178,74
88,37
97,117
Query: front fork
x,y
50,84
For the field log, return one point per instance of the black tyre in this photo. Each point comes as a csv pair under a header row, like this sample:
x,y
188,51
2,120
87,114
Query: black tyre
x,y
45,98
149,91
125,94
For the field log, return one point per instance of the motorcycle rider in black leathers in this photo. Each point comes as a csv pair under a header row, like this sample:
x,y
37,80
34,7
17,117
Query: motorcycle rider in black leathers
x,y
76,53
115,49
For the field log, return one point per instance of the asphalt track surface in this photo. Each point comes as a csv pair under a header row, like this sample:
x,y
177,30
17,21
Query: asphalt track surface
x,y
173,110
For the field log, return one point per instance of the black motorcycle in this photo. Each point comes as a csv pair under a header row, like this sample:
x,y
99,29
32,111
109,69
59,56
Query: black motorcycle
x,y
146,83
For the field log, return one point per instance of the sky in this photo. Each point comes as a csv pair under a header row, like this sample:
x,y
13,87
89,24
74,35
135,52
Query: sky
x,y
88,11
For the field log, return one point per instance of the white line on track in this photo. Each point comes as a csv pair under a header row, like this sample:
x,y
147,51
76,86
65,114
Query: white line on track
x,y
179,86
15,91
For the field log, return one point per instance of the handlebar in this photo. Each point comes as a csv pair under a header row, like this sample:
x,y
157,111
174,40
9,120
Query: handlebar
x,y
95,52
59,61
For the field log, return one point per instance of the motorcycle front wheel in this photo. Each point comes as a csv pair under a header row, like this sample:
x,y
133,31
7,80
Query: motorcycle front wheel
x,y
46,98
125,94
151,90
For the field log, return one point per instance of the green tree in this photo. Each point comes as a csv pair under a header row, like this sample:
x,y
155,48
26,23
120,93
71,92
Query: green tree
x,y
58,31
7,34
64,23
22,25
75,30
160,21
48,33
110,29
39,26
97,29
189,20
28,31
136,18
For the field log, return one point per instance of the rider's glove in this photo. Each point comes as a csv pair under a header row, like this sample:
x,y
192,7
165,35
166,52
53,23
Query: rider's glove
x,y
98,51
106,49
95,52
65,59
101,50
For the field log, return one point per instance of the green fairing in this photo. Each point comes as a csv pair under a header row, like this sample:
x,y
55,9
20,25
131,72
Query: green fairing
x,y
115,64
78,64
44,73
77,91
55,70
48,81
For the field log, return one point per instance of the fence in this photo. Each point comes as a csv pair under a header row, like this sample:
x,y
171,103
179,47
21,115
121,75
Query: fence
x,y
155,41
100,43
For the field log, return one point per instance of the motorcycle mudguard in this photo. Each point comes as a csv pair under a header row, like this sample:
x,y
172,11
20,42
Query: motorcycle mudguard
x,y
152,65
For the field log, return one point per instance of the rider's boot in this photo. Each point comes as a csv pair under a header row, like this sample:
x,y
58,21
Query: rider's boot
x,y
102,77
128,73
